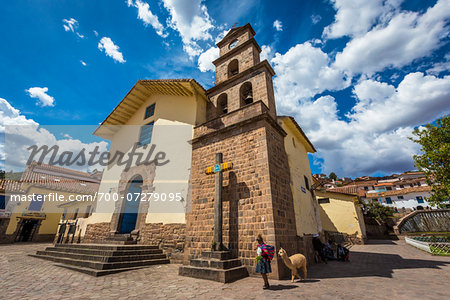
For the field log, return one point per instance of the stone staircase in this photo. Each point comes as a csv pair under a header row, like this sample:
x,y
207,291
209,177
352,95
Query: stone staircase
x,y
101,259
215,265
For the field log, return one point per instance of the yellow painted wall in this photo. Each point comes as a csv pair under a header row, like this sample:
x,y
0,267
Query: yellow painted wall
x,y
307,215
52,212
341,214
174,120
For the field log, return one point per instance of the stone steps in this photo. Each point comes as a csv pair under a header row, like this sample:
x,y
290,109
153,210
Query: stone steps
x,y
216,263
107,247
219,266
99,259
104,252
102,258
96,273
224,276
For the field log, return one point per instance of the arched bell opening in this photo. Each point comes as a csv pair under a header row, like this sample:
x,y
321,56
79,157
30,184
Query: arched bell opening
x,y
222,104
233,68
246,94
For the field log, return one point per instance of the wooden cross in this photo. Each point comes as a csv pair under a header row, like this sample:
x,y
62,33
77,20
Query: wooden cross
x,y
218,170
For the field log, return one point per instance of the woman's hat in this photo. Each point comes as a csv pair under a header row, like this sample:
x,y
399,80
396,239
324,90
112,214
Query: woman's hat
x,y
315,235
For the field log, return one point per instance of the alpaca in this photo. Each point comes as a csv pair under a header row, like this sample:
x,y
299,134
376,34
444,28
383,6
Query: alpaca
x,y
294,262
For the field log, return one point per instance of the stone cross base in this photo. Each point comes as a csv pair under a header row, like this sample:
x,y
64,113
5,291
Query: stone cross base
x,y
215,265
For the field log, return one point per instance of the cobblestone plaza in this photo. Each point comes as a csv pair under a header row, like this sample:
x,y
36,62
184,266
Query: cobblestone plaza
x,y
380,269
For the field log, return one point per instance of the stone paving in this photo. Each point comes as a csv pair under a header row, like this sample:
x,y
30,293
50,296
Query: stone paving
x,y
380,270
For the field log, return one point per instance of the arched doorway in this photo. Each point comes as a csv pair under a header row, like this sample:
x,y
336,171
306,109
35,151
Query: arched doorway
x,y
131,202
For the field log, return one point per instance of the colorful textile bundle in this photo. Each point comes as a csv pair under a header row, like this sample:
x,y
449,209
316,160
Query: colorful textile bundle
x,y
268,251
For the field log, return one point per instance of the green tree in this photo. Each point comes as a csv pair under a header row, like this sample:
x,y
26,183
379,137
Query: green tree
x,y
435,160
333,176
378,211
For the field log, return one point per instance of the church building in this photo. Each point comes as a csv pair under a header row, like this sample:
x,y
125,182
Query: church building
x,y
266,191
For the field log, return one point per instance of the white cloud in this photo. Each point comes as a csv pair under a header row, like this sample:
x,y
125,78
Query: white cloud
x,y
266,53
192,21
20,133
11,116
221,35
206,58
374,137
83,63
111,49
354,18
316,19
278,25
406,37
304,71
417,100
145,14
95,32
440,67
41,94
72,25
371,90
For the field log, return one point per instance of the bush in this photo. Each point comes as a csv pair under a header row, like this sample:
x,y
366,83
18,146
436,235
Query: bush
x,y
378,211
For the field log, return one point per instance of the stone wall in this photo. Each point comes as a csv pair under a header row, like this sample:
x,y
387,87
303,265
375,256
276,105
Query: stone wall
x,y
5,239
169,237
96,232
305,247
256,193
437,220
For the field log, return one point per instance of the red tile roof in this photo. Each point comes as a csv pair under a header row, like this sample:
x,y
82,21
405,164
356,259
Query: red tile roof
x,y
10,186
351,190
400,192
54,178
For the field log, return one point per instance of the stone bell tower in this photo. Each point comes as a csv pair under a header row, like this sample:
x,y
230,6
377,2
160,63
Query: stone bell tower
x,y
241,124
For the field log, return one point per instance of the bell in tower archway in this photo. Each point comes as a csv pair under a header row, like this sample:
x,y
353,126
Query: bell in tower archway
x,y
246,93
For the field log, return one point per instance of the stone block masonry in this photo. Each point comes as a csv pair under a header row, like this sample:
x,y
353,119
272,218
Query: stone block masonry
x,y
169,237
256,193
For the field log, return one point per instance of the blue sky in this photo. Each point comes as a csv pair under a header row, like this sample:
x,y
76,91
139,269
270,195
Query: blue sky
x,y
358,76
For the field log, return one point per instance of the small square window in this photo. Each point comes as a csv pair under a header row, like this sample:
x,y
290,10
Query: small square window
x,y
419,199
400,197
149,111
323,200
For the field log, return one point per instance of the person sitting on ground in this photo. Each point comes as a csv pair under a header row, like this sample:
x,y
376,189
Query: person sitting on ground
x,y
328,251
318,246
343,254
